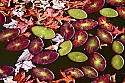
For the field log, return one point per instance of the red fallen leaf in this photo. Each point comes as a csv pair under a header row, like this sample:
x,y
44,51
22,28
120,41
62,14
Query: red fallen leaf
x,y
77,4
52,19
105,23
28,22
65,78
51,23
27,34
22,78
121,11
123,80
23,26
117,31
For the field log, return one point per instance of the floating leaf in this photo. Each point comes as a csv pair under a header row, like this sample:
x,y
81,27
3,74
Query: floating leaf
x,y
75,72
17,44
94,6
66,47
92,44
116,2
108,12
117,62
6,71
9,35
90,71
85,24
77,13
43,32
80,38
43,73
117,47
67,31
46,57
104,36
36,46
98,61
77,56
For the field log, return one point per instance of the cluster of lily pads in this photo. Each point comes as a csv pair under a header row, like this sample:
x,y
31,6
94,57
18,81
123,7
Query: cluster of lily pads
x,y
70,34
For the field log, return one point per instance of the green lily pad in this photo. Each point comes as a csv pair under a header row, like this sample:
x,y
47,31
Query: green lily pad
x,y
66,47
77,56
108,12
43,32
117,47
77,13
117,62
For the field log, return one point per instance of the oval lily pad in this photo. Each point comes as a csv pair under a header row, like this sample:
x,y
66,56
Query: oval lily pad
x,y
77,13
104,36
74,72
117,47
43,73
2,18
90,71
108,12
117,62
6,71
17,44
85,24
36,46
98,61
43,32
46,57
80,38
92,44
66,47
94,6
9,35
77,56
122,38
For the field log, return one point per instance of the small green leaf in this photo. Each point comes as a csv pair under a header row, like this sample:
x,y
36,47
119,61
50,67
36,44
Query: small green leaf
x,y
77,56
77,13
117,62
117,47
108,12
43,32
66,47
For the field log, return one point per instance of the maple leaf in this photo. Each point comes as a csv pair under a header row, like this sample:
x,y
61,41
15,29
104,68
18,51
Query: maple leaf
x,y
22,78
116,31
65,78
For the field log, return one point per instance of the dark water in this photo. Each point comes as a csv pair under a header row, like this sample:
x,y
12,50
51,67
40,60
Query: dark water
x,y
9,58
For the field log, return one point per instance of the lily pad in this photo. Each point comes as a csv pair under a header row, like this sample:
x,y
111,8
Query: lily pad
x,y
117,62
77,13
43,32
77,56
6,71
108,12
66,47
117,47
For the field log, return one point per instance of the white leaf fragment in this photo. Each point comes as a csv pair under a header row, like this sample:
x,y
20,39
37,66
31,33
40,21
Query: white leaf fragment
x,y
26,55
59,39
26,65
12,24
9,79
